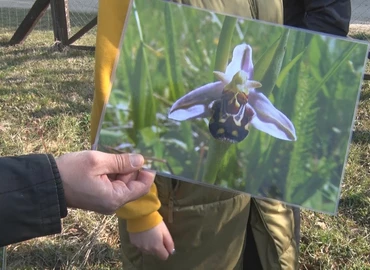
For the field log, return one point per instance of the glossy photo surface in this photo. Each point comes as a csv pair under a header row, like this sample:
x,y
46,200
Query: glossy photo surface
x,y
235,103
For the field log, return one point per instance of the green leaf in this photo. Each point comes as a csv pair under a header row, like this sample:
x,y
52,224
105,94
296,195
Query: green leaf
x,y
149,136
262,65
142,106
285,71
223,48
270,68
108,137
176,84
336,65
138,89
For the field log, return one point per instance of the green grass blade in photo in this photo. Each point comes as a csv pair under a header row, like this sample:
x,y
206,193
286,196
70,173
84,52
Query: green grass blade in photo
x,y
142,106
262,64
173,67
272,67
287,69
174,72
138,90
224,44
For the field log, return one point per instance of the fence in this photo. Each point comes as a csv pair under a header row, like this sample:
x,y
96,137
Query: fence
x,y
80,13
360,12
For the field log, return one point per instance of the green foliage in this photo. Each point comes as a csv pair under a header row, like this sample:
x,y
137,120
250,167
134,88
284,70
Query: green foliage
x,y
305,115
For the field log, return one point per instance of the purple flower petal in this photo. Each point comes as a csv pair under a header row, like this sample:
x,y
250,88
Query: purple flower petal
x,y
195,103
269,119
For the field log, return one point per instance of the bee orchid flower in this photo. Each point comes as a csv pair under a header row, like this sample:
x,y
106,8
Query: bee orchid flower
x,y
233,104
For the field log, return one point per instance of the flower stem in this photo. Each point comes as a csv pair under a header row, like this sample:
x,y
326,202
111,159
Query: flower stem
x,y
216,152
217,149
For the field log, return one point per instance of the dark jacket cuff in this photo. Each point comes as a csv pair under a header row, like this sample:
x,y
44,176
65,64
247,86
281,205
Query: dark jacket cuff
x,y
31,198
60,191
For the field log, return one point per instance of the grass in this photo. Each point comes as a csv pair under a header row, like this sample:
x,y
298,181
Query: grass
x,y
45,102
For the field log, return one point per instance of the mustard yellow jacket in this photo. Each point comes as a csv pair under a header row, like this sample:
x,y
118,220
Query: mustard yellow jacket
x,y
141,215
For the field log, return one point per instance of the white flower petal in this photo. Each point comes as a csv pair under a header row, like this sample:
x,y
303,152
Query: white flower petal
x,y
196,111
242,60
269,119
195,103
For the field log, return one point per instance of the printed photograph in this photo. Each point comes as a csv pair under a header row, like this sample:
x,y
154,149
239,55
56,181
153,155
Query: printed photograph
x,y
240,104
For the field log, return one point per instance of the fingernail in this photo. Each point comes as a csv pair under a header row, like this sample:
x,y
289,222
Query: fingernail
x,y
136,160
173,252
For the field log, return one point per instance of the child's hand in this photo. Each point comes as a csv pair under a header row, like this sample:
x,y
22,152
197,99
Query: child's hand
x,y
156,241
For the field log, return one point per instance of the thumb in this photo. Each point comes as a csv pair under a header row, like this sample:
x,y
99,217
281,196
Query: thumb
x,y
136,187
141,185
121,163
168,242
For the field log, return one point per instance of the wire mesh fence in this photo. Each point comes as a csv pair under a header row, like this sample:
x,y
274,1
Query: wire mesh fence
x,y
12,13
82,11
360,12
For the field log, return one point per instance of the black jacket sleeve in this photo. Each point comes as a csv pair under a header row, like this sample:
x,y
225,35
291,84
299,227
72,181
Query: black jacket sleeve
x,y
327,16
31,198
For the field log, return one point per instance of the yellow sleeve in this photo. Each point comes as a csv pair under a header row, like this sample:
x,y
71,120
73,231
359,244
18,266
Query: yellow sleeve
x,y
141,215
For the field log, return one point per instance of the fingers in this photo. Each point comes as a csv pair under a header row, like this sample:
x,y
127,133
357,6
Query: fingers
x,y
168,242
121,163
159,250
144,179
156,241
133,189
166,247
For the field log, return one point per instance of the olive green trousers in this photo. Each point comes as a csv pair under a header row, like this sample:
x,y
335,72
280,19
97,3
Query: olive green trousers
x,y
209,227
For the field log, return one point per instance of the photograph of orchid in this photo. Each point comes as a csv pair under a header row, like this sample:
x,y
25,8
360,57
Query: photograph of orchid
x,y
233,103
237,104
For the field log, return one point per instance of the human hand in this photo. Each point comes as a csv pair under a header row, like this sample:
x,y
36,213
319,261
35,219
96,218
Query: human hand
x,y
102,182
156,241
